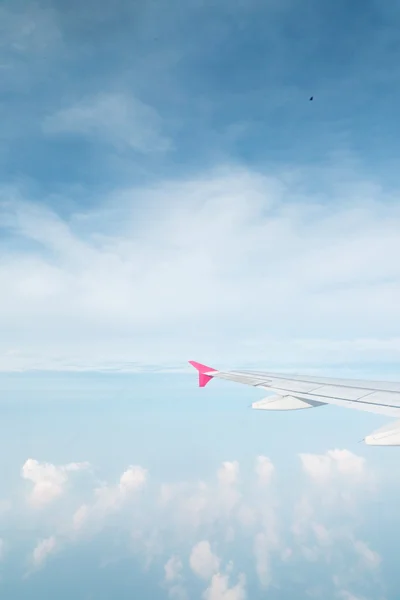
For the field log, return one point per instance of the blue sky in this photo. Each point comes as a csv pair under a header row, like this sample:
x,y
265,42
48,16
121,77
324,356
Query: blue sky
x,y
168,192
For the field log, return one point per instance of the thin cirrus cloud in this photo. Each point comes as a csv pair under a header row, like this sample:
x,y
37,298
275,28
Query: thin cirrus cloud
x,y
43,550
198,540
235,259
117,119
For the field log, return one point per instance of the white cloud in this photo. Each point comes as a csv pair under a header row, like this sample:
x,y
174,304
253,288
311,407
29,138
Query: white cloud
x,y
327,517
43,549
219,589
252,273
286,554
80,517
110,498
173,569
267,541
134,478
203,503
48,480
178,592
203,562
120,119
370,558
322,534
173,578
227,496
194,503
263,560
171,518
228,473
264,470
247,516
322,468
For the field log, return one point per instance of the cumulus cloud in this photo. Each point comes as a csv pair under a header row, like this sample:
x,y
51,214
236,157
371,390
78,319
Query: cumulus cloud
x,y
220,244
131,480
174,579
185,530
49,481
267,543
228,495
323,528
264,470
193,502
203,503
228,474
321,468
327,518
203,562
262,555
173,569
110,498
219,589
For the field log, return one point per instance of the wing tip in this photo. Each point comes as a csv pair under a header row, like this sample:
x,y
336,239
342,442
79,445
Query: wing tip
x,y
203,371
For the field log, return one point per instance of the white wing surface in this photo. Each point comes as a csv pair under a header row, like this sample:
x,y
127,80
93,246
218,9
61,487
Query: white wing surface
x,y
294,392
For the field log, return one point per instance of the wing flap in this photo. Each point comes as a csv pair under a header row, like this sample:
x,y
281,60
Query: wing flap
x,y
285,403
246,378
388,435
373,407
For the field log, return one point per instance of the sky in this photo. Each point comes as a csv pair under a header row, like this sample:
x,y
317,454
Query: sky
x,y
168,192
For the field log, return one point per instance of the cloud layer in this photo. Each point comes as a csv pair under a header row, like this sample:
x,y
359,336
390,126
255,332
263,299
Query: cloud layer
x,y
204,266
203,533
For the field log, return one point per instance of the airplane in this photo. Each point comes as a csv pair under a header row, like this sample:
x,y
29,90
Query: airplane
x,y
295,392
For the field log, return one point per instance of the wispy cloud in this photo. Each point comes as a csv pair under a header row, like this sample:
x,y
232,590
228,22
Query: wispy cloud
x,y
203,266
27,31
42,551
117,119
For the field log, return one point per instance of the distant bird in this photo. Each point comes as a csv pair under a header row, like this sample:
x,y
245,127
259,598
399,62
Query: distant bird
x,y
312,98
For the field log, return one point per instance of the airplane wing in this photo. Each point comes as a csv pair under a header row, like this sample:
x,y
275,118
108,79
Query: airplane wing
x,y
294,392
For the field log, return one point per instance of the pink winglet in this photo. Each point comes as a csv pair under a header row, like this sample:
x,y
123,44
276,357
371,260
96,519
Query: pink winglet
x,y
202,369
